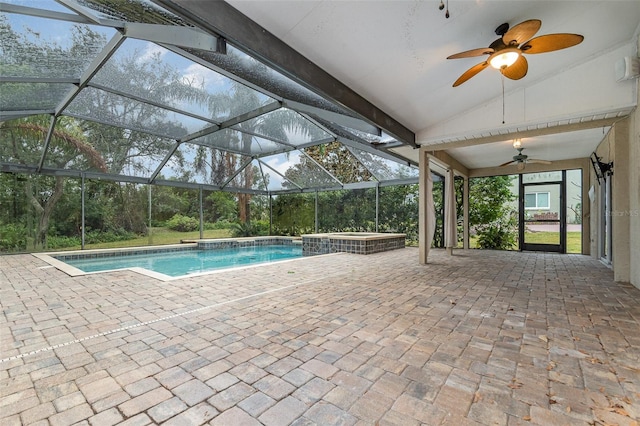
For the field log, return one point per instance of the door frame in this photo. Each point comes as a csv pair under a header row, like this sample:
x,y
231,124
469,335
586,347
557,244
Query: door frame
x,y
557,248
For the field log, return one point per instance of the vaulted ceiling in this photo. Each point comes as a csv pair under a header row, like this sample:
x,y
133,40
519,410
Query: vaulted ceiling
x,y
393,54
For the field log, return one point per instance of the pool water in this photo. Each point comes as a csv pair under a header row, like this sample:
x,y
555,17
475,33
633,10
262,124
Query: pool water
x,y
186,262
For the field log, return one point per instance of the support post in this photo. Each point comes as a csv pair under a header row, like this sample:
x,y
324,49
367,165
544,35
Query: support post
x,y
377,204
201,214
149,230
316,213
82,214
426,215
465,213
270,214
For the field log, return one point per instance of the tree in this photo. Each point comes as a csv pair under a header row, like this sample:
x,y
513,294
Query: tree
x,y
223,164
337,160
490,212
293,214
399,210
22,140
125,149
245,137
222,206
117,148
489,199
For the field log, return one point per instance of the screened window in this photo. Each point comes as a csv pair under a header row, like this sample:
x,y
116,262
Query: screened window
x,y
536,200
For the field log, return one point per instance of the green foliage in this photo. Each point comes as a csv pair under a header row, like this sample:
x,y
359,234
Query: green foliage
x,y
347,211
491,214
399,210
500,234
249,229
221,224
490,211
221,206
13,237
293,214
98,236
183,223
55,242
336,159
168,201
489,198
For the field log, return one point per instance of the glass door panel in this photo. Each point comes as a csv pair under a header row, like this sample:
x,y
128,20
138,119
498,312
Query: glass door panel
x,y
542,212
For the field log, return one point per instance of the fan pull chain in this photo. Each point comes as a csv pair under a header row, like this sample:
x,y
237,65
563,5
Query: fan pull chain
x,y
502,96
441,7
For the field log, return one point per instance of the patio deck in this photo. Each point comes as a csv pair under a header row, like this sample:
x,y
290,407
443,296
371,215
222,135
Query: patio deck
x,y
490,338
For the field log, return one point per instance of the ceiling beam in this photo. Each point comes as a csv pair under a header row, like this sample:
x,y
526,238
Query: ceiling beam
x,y
333,117
178,36
222,19
551,130
449,161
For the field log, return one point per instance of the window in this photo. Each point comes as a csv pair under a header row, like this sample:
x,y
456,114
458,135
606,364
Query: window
x,y
536,200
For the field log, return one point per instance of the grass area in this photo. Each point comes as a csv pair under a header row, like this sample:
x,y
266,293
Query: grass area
x,y
159,236
574,240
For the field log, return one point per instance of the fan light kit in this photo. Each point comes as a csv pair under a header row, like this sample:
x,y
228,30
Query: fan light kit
x,y
520,160
504,58
506,53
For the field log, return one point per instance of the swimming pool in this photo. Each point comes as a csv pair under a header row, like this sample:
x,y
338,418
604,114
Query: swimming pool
x,y
185,262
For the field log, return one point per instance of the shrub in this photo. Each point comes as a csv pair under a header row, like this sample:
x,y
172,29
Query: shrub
x,y
12,237
242,230
220,224
496,237
250,229
182,223
261,227
500,234
58,242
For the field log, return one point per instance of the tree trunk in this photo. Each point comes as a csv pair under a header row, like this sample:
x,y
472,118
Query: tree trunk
x,y
45,210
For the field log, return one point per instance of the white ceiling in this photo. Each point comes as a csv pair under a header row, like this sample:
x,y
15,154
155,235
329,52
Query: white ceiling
x,y
393,53
559,146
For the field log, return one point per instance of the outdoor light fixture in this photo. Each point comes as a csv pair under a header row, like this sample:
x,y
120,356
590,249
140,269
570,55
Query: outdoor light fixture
x,y
504,58
517,143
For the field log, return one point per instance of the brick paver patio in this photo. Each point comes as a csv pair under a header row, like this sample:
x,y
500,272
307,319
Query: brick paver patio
x,y
488,338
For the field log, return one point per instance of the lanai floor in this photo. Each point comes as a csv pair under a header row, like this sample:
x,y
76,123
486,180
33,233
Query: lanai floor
x,y
482,337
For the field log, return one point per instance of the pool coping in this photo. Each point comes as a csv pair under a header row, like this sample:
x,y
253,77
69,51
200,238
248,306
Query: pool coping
x,y
72,271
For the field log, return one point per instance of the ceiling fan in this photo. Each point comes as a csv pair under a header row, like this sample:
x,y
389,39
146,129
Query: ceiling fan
x,y
506,53
520,160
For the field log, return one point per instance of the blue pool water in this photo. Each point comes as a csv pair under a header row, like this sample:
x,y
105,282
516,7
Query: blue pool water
x,y
186,262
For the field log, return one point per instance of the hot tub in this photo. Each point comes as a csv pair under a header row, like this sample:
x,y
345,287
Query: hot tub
x,y
351,242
